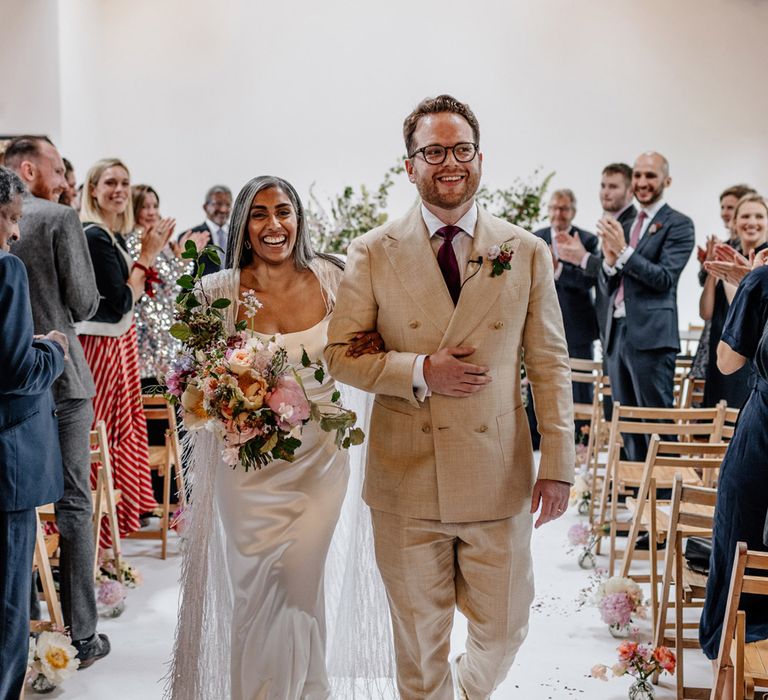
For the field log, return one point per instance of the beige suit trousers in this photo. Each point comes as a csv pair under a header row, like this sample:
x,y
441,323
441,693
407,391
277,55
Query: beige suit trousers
x,y
429,569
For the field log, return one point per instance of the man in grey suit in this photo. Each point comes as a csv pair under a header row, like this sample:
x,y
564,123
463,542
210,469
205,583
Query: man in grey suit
x,y
63,291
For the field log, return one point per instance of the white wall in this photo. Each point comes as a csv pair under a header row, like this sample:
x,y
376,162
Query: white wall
x,y
192,93
29,66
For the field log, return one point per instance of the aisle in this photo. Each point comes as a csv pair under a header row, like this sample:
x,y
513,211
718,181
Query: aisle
x,y
562,645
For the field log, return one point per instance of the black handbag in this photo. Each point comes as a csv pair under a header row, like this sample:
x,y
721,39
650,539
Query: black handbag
x,y
697,553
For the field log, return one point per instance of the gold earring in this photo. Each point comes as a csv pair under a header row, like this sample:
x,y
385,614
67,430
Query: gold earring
x,y
247,244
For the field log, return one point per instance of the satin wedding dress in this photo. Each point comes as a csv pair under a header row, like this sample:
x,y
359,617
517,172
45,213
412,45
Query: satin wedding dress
x,y
280,595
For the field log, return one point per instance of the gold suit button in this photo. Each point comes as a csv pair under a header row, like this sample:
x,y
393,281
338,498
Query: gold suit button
x,y
413,324
482,429
498,325
426,428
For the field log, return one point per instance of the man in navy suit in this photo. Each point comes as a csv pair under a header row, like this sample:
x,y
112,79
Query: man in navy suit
x,y
217,208
639,276
30,460
574,290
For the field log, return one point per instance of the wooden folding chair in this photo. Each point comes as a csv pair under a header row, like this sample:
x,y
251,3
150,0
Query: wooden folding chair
x,y
165,459
693,463
597,444
749,661
45,547
106,497
693,391
691,512
683,367
622,477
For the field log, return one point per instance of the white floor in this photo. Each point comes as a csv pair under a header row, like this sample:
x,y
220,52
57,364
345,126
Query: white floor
x,y
563,644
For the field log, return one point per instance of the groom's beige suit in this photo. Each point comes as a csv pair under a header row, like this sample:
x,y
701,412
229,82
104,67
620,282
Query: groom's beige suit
x,y
449,480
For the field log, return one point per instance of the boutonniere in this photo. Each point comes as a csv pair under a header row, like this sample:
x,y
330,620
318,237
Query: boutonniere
x,y
500,257
654,227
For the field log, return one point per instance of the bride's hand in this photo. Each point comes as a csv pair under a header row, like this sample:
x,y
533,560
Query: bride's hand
x,y
366,343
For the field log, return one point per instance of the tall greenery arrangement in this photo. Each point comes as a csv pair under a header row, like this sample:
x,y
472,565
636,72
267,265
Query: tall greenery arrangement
x,y
335,225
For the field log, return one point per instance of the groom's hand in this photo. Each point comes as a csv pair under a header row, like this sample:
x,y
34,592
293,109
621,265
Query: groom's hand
x,y
446,374
552,496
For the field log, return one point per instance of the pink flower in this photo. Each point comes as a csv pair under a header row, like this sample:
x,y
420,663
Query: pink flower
x,y
288,393
111,593
627,650
578,535
666,658
230,455
617,609
599,671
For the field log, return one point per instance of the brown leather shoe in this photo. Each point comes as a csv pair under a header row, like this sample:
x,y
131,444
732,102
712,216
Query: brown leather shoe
x,y
92,649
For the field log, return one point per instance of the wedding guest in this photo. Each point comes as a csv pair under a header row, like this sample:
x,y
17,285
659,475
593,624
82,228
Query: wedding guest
x,y
574,292
749,221
69,195
63,291
217,208
30,461
109,337
728,200
640,273
742,498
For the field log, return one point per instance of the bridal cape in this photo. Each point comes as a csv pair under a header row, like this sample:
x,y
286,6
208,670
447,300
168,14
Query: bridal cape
x,y
359,647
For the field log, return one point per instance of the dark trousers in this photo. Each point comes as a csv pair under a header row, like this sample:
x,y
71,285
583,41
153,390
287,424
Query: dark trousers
x,y
74,519
17,546
582,393
639,378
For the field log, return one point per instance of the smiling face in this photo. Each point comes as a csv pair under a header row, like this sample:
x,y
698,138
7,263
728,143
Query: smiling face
x,y
44,173
10,215
727,207
272,226
149,211
450,186
112,191
561,213
649,179
218,208
751,221
615,192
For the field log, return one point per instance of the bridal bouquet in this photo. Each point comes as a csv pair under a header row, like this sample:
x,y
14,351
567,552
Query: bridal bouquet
x,y
241,386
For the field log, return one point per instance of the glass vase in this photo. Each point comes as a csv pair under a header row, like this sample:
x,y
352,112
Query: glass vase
x,y
112,610
583,508
620,631
641,689
41,684
586,559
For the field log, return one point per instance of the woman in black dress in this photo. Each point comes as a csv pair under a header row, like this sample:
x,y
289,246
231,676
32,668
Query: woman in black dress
x,y
750,224
742,495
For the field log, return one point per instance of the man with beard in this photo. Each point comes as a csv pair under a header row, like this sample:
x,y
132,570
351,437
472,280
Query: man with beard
x,y
639,276
456,294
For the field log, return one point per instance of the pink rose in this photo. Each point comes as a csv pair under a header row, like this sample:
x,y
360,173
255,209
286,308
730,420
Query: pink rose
x,y
288,394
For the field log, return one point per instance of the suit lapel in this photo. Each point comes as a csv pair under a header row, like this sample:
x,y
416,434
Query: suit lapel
x,y
659,220
479,291
415,265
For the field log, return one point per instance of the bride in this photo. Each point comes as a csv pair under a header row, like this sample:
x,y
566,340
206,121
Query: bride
x,y
252,617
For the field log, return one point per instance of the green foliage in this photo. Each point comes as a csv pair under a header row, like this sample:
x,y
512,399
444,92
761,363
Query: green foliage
x,y
520,203
350,214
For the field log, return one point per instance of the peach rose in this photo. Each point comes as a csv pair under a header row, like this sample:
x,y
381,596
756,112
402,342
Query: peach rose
x,y
195,416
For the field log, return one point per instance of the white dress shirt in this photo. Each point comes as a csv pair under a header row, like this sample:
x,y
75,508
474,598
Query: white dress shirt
x,y
650,212
219,239
462,247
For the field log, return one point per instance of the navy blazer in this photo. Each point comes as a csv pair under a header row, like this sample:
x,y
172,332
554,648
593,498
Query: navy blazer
x,y
573,292
30,458
650,282
209,267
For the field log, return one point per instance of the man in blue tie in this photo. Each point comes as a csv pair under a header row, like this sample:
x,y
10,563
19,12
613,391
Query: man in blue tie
x,y
217,208
639,277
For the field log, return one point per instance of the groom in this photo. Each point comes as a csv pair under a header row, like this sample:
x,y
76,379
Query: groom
x,y
450,475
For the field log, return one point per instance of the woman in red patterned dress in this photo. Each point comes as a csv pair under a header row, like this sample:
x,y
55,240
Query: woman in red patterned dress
x,y
109,338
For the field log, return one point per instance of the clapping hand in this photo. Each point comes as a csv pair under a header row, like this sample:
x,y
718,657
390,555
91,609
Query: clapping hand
x,y
612,236
570,248
199,238
728,265
154,239
760,259
365,343
708,252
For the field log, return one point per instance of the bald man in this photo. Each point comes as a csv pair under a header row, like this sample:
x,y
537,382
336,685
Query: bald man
x,y
640,272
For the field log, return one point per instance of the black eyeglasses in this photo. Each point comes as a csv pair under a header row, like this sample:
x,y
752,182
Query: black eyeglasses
x,y
435,154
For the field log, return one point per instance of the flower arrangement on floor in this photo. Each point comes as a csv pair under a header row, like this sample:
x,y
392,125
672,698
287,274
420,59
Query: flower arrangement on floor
x,y
581,491
640,661
585,538
619,600
52,659
582,442
113,583
241,386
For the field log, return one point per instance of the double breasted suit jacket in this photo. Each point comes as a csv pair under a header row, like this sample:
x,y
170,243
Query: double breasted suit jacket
x,y
573,292
650,282
30,458
455,459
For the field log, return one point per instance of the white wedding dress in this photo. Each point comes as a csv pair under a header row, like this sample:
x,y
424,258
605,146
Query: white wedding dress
x,y
278,523
268,560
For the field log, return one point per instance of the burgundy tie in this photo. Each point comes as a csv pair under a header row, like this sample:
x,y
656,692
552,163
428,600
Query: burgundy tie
x,y
634,239
446,258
